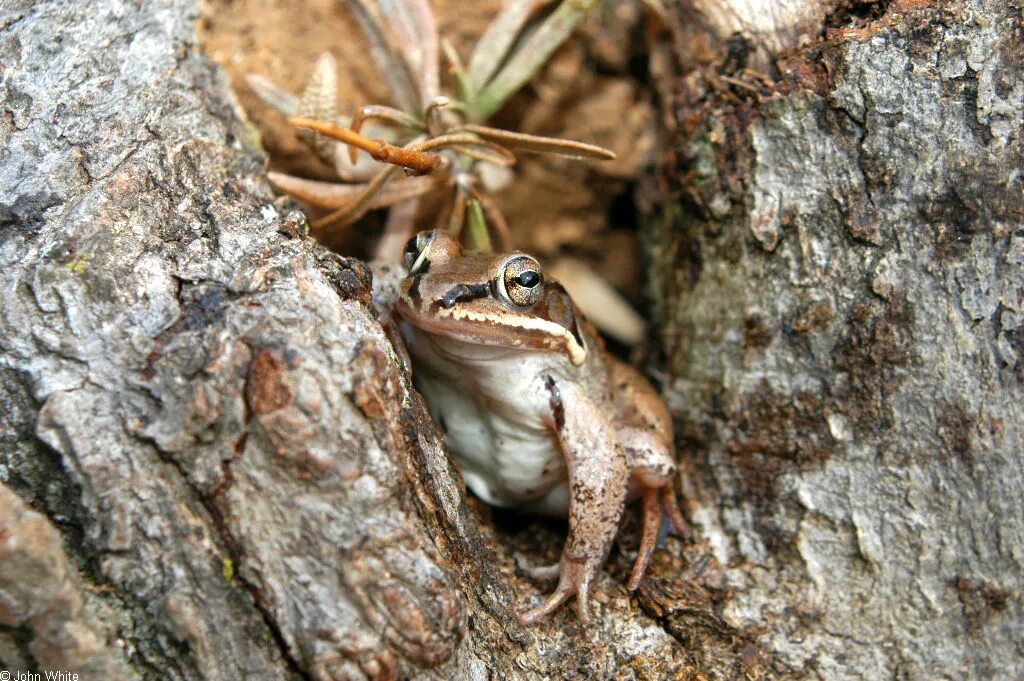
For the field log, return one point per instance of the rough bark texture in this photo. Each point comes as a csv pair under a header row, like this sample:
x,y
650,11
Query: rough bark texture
x,y
841,303
211,466
200,400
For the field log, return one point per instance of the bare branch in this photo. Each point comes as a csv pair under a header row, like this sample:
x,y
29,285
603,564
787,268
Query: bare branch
x,y
456,217
495,219
360,204
380,112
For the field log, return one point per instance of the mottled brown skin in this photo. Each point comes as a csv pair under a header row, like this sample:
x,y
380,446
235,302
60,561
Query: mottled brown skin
x,y
539,414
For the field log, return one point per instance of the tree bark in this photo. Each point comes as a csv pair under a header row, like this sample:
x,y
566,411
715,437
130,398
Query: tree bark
x,y
199,400
840,298
212,466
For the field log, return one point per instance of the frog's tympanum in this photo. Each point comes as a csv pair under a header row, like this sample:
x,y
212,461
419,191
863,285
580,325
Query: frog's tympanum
x,y
540,417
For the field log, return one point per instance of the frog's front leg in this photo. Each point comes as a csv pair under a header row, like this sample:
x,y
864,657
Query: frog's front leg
x,y
598,478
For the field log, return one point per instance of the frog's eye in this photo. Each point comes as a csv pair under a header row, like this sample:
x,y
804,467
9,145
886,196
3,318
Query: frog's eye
x,y
414,255
522,282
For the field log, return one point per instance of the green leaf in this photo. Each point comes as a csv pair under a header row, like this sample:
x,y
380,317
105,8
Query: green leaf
x,y
479,236
493,46
528,58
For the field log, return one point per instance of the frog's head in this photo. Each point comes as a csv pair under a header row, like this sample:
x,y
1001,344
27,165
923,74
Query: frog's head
x,y
485,298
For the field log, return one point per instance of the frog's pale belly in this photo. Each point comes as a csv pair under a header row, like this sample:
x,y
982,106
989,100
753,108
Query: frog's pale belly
x,y
495,412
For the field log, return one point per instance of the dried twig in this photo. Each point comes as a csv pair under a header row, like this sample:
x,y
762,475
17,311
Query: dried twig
x,y
335,195
537,143
496,219
360,204
416,161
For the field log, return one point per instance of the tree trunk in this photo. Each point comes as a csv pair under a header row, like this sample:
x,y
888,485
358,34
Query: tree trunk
x,y
840,298
212,466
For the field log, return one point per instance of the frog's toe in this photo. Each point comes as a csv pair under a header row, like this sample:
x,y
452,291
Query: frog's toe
x,y
561,595
652,525
542,572
583,601
668,500
574,580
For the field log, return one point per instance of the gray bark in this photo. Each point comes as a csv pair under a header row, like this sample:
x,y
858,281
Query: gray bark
x,y
215,413
841,304
219,470
199,399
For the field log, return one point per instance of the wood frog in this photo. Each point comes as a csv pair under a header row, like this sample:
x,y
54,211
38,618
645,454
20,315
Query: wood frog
x,y
539,415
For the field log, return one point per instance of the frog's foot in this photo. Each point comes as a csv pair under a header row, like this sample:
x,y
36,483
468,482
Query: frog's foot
x,y
574,579
652,525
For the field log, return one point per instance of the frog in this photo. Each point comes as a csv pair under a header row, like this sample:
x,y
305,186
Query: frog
x,y
540,416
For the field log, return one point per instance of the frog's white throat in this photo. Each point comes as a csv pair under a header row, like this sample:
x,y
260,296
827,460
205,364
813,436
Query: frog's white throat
x,y
490,403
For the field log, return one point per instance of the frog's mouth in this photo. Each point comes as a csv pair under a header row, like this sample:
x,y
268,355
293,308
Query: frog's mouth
x,y
503,328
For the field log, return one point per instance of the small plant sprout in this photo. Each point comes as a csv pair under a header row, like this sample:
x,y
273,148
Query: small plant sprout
x,y
440,141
